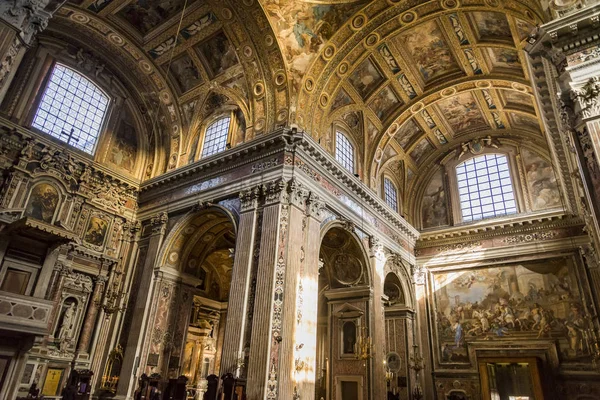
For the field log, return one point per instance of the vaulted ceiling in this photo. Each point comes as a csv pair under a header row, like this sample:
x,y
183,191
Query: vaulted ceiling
x,y
409,80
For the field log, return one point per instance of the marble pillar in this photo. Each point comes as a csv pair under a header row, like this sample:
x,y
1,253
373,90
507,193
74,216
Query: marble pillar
x,y
90,318
378,320
240,283
141,308
308,324
265,331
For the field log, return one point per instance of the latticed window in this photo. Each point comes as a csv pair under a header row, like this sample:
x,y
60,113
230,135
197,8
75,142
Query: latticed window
x,y
72,109
344,151
215,138
485,187
390,194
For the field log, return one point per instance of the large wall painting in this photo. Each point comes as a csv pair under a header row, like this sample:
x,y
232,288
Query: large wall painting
x,y
541,181
504,58
407,133
385,103
491,26
42,202
434,207
303,28
529,301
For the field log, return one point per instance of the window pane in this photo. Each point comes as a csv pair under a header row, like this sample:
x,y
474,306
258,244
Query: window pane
x,y
215,139
344,151
58,116
484,192
391,194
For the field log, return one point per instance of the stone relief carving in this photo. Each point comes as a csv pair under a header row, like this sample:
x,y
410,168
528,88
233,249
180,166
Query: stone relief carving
x,y
476,146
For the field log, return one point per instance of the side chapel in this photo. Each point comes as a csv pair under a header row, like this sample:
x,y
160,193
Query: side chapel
x,y
300,199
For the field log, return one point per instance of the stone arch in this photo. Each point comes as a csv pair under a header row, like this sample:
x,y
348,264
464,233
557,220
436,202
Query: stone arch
x,y
201,248
339,237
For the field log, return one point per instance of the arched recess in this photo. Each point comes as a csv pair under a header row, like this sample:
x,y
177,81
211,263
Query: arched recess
x,y
196,262
344,312
127,143
216,104
399,325
536,182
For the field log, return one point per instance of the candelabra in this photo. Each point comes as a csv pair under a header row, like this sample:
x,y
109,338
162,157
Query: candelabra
x,y
112,301
416,361
364,345
417,365
595,347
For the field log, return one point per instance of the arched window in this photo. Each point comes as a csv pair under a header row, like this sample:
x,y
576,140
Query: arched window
x,y
485,187
390,193
344,151
215,138
72,109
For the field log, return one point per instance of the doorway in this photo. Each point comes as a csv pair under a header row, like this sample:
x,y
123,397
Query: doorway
x,y
511,379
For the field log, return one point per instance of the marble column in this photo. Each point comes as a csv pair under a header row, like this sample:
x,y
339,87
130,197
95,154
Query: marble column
x,y
423,377
90,317
308,321
266,326
237,317
378,320
20,22
290,366
141,309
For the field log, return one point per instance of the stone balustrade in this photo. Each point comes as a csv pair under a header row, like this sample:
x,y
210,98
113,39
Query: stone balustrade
x,y
24,314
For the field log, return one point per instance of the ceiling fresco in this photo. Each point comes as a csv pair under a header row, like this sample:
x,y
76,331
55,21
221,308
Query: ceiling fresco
x,y
409,80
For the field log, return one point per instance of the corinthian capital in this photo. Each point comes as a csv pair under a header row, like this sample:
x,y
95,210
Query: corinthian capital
x,y
159,222
314,206
588,98
249,199
275,192
298,193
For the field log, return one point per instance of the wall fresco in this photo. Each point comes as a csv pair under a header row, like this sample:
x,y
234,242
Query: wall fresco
x,y
511,302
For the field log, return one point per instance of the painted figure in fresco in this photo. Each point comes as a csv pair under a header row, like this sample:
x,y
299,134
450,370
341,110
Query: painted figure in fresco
x,y
458,334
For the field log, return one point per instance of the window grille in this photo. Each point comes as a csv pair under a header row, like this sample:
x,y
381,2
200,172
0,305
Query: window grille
x,y
485,187
215,138
344,151
390,193
72,109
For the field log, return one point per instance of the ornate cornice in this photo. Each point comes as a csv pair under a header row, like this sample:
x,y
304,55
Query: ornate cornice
x,y
514,224
281,141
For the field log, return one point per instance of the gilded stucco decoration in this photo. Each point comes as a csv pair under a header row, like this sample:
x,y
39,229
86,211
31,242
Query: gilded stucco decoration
x,y
182,53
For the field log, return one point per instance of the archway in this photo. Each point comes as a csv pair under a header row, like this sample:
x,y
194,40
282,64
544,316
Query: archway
x,y
344,317
199,251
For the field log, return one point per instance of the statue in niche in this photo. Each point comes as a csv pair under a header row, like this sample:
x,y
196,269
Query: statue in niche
x,y
67,325
349,336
